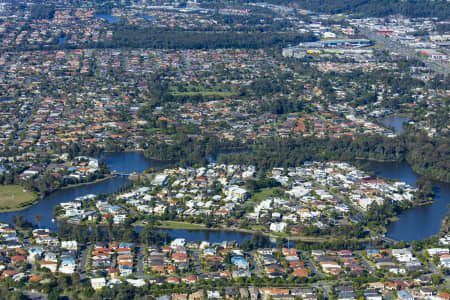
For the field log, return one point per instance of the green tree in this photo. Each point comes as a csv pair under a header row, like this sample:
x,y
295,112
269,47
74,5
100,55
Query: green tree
x,y
436,279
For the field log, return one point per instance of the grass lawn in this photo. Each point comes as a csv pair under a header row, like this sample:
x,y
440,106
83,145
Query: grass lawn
x,y
376,46
14,197
180,225
259,228
262,194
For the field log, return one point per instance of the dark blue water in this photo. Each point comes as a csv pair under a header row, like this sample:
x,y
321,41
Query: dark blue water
x,y
6,99
415,224
110,19
420,222
395,122
45,206
212,236
61,40
130,162
122,162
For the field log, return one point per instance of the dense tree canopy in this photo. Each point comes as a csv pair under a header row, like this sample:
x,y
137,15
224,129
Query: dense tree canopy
x,y
427,156
376,8
132,37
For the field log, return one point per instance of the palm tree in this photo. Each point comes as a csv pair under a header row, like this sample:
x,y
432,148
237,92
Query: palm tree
x,y
38,219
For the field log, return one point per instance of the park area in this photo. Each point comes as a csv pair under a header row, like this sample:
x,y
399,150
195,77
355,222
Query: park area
x,y
14,197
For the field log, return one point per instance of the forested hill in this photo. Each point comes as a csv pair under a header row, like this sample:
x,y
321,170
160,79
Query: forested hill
x,y
376,8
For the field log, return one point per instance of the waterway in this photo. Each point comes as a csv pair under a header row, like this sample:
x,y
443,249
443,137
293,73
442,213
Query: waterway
x,y
213,236
130,162
415,224
6,99
109,18
45,206
419,222
395,122
62,40
122,162
146,17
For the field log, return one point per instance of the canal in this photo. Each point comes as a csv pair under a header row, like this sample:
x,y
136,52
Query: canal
x,y
419,222
415,224
109,18
127,162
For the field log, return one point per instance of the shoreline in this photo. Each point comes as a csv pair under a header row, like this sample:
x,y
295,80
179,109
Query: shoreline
x,y
254,230
33,203
109,176
432,179
419,204
241,230
22,205
355,159
38,198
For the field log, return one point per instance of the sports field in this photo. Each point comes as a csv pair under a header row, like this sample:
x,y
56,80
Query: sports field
x,y
13,197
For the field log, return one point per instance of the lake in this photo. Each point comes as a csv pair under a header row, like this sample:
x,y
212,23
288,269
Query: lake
x,y
45,206
127,162
6,99
395,122
419,222
415,224
130,162
110,19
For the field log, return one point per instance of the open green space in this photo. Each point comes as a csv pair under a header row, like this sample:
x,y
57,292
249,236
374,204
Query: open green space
x,y
264,194
180,225
14,197
376,46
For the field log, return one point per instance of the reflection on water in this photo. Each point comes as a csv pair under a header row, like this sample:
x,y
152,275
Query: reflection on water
x,y
127,162
395,122
212,236
419,222
415,224
110,19
45,206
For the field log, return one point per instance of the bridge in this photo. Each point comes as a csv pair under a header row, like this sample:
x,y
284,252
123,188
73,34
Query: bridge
x,y
384,238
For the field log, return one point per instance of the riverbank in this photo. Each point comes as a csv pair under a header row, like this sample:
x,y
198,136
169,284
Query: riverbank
x,y
15,198
191,226
181,225
19,208
15,209
418,222
424,203
109,176
356,159
404,227
360,163
23,205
